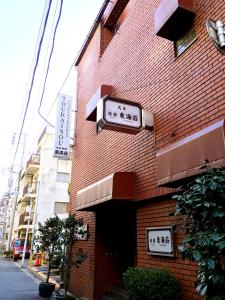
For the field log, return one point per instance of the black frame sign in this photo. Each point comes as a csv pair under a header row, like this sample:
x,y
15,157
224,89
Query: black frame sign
x,y
160,241
119,115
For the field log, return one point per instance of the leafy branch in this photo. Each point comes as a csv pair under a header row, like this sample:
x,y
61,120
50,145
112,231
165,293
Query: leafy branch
x,y
202,205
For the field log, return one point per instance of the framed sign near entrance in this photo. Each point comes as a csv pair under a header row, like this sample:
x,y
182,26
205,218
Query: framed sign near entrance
x,y
160,241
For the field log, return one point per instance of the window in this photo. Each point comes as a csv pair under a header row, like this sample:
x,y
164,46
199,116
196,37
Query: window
x,y
18,243
185,41
63,177
61,207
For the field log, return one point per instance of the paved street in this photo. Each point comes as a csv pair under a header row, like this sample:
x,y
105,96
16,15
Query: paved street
x,y
17,284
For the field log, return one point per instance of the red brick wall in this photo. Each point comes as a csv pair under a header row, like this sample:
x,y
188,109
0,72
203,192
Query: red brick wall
x,y
156,214
185,94
81,281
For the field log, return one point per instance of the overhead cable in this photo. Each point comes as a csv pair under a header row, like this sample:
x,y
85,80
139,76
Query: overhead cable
x,y
48,65
33,77
31,67
53,103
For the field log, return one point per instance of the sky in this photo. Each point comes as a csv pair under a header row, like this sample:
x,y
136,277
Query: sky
x,y
19,30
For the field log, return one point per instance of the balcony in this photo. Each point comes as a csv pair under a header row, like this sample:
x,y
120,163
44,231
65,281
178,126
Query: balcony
x,y
30,188
29,192
23,221
32,165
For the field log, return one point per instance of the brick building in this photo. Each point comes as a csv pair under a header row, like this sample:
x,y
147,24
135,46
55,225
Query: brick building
x,y
156,54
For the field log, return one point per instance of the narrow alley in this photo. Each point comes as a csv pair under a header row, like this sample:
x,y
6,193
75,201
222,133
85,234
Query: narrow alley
x,y
17,283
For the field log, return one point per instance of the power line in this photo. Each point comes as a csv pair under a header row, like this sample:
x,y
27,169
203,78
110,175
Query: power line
x,y
32,79
36,46
45,118
48,46
53,103
48,65
39,33
61,88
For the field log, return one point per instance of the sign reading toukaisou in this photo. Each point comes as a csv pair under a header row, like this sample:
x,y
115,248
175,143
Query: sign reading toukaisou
x,y
160,241
62,129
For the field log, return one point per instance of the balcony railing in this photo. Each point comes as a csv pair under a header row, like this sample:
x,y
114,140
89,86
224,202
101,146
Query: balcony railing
x,y
30,188
32,165
34,160
24,219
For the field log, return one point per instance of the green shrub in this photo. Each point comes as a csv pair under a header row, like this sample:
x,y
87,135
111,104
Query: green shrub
x,y
6,253
151,284
202,207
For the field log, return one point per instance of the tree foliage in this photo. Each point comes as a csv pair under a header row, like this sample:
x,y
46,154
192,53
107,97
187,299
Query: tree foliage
x,y
57,237
202,205
149,284
72,229
49,240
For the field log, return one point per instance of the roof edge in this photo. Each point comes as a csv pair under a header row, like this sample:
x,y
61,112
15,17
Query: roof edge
x,y
91,33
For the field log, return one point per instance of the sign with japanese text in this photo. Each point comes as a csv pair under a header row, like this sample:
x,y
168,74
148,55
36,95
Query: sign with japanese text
x,y
62,129
122,113
82,233
119,115
160,241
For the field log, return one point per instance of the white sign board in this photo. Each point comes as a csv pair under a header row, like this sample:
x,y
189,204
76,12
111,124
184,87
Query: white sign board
x,y
62,129
122,113
160,241
82,233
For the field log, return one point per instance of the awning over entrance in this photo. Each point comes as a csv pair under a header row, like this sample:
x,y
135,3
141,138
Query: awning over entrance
x,y
185,158
118,186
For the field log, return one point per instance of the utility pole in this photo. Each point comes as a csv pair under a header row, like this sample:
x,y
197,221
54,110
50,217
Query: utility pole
x,y
35,218
14,206
6,203
25,242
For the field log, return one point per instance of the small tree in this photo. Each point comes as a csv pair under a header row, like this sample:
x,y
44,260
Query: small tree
x,y
49,240
71,232
202,205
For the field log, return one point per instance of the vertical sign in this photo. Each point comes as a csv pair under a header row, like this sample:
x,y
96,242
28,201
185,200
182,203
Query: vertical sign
x,y
62,129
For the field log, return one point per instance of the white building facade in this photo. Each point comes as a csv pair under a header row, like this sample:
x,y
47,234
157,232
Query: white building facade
x,y
43,188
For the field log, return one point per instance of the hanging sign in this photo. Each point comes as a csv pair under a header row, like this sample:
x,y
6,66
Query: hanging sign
x,y
62,129
119,115
160,241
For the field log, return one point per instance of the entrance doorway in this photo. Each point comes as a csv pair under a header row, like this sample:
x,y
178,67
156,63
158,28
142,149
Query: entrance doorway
x,y
115,247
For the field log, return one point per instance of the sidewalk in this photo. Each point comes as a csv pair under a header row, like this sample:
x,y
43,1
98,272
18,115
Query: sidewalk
x,y
41,273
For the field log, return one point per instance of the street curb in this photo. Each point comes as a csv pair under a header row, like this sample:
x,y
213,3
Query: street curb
x,y
40,275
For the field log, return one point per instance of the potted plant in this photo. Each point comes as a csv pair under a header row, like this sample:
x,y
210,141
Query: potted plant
x,y
72,231
5,253
49,240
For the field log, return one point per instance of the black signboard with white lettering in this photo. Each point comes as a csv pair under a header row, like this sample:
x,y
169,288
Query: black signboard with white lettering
x,y
160,241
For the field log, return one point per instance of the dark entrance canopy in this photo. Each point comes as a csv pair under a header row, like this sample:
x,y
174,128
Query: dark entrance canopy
x,y
117,186
185,158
